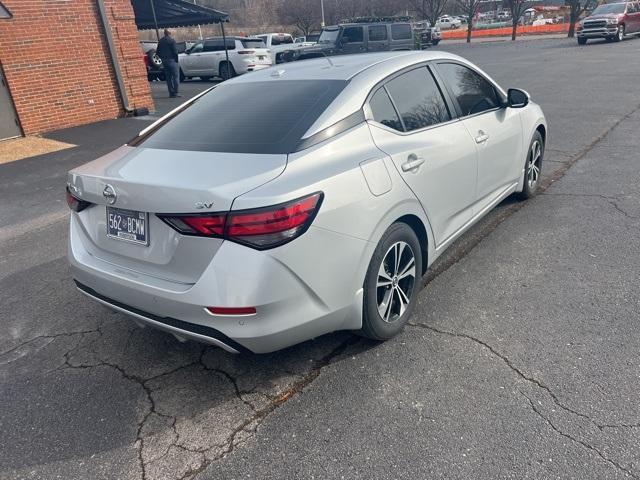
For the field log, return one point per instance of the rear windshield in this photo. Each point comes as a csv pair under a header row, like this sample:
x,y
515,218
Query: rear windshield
x,y
254,43
255,117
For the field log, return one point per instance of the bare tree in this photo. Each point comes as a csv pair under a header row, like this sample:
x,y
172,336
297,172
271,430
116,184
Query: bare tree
x,y
469,8
304,14
576,9
517,8
429,9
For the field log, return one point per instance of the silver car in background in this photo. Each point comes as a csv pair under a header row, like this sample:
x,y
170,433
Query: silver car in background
x,y
216,226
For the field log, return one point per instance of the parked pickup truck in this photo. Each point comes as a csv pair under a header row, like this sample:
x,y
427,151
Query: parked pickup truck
x,y
613,21
361,37
278,43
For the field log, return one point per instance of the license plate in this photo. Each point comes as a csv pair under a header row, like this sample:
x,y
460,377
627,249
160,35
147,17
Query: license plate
x,y
128,225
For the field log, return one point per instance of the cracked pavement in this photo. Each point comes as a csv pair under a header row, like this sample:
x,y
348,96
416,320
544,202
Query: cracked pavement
x,y
521,360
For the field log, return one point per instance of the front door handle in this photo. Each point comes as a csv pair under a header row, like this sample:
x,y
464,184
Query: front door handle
x,y
412,163
482,137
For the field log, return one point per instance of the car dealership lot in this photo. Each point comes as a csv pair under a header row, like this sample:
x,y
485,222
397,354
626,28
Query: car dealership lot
x,y
522,360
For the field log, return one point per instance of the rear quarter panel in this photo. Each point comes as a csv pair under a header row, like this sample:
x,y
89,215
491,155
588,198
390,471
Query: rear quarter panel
x,y
333,257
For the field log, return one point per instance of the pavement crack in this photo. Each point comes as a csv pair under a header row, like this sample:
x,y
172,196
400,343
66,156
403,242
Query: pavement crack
x,y
249,425
613,201
509,363
51,338
586,445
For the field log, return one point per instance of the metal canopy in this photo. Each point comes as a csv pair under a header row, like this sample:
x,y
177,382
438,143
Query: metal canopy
x,y
155,14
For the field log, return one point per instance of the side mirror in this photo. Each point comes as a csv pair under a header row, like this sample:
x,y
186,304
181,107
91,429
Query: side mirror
x,y
517,98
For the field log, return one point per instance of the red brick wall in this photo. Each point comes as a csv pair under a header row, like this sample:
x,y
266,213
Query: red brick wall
x,y
57,63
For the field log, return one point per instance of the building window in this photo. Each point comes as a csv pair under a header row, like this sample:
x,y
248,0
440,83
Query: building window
x,y
4,12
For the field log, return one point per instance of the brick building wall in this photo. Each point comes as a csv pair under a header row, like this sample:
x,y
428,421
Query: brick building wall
x,y
57,64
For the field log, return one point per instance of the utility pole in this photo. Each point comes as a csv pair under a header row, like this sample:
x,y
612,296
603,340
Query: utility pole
x,y
322,10
199,29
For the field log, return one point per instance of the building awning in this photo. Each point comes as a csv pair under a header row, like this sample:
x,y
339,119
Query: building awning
x,y
174,13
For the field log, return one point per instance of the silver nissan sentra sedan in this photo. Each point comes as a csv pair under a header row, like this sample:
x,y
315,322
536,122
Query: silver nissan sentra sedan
x,y
302,199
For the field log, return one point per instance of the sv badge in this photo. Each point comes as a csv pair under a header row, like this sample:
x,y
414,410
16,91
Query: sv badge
x,y
201,205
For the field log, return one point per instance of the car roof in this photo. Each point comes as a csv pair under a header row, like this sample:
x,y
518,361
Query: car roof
x,y
343,67
363,72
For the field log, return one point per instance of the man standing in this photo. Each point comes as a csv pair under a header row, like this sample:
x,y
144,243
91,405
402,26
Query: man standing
x,y
168,52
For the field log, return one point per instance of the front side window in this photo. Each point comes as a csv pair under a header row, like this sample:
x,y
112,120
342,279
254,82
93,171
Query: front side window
x,y
472,91
418,99
211,46
383,111
377,33
231,117
197,48
352,34
401,31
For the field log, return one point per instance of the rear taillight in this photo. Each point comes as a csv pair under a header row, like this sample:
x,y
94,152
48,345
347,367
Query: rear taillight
x,y
246,52
262,228
207,225
76,204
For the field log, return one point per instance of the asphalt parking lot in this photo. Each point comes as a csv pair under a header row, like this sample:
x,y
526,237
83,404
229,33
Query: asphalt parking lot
x,y
521,361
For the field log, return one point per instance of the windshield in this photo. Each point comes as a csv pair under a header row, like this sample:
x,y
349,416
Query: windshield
x,y
329,35
609,9
249,117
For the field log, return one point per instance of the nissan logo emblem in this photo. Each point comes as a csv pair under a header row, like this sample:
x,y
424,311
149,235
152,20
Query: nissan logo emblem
x,y
110,194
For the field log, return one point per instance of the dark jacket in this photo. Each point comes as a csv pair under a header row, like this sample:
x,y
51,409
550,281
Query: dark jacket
x,y
167,49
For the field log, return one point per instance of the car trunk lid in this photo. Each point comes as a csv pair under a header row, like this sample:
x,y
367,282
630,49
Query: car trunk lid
x,y
152,181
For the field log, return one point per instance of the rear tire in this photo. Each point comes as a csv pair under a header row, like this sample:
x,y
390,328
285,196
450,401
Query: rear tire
x,y
227,71
532,167
392,283
582,41
182,77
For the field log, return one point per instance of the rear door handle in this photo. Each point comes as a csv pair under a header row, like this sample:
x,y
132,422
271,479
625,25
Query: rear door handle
x,y
483,137
412,163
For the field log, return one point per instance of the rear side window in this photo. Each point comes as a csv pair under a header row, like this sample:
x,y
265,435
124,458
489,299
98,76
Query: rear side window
x,y
472,91
418,99
377,33
383,111
353,34
401,31
231,117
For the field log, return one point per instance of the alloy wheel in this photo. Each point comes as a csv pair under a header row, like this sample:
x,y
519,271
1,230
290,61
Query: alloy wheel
x,y
533,167
396,281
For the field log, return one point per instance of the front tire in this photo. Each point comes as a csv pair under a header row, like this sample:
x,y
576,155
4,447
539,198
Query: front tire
x,y
582,41
533,167
620,34
392,283
435,42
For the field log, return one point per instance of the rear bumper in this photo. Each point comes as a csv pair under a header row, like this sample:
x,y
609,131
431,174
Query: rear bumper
x,y
295,300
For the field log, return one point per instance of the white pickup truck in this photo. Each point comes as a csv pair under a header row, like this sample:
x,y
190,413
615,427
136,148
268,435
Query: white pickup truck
x,y
278,43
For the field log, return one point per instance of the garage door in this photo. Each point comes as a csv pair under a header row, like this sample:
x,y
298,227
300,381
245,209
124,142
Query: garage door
x,y
9,126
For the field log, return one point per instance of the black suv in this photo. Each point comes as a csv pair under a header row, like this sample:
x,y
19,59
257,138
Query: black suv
x,y
355,37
